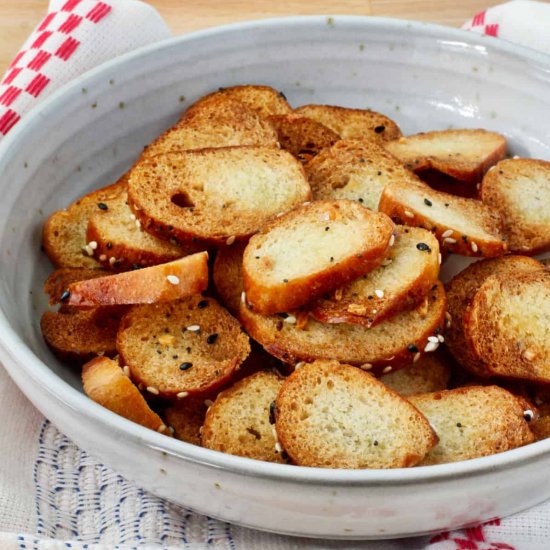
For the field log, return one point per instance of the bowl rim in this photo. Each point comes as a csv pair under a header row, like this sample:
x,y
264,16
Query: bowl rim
x,y
13,349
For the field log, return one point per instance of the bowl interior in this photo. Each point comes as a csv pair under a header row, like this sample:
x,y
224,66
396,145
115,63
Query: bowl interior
x,y
424,77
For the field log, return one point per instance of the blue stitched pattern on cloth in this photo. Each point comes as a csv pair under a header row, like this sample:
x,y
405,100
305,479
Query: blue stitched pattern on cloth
x,y
79,499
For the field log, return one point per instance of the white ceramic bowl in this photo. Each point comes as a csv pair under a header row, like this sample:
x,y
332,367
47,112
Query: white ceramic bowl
x,y
425,77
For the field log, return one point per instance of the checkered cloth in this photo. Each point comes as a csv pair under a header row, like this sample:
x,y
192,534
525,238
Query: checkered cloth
x,y
53,495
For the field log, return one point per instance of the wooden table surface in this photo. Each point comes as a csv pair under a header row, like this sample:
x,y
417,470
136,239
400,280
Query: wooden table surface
x,y
19,17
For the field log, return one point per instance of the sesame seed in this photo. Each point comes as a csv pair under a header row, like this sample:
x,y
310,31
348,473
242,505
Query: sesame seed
x,y
386,370
379,293
366,366
325,217
387,262
448,318
291,320
439,258
278,448
447,233
173,279
431,346
186,366
93,245
193,328
138,224
440,338
171,430
392,240
112,261
243,297
529,355
280,214
230,240
126,370
306,203
152,389
182,394
103,258
409,214
88,250
474,246
65,296
449,240
162,428
208,402
416,357
528,415
516,157
433,339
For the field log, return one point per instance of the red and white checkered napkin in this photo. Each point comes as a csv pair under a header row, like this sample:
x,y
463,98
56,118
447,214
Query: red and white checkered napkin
x,y
524,22
74,37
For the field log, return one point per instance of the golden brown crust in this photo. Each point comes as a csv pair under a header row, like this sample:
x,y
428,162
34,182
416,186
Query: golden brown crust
x,y
462,154
186,418
180,348
520,190
301,136
400,283
104,382
461,289
462,226
505,325
64,233
240,420
331,415
227,275
215,196
310,234
353,123
388,346
161,283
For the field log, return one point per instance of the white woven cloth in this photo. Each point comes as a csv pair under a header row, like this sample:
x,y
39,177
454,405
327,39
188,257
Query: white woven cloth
x,y
53,495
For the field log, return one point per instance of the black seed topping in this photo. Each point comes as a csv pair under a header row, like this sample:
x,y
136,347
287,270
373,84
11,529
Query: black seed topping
x,y
257,257
360,200
375,443
272,412
458,425
283,315
212,338
379,172
379,129
186,366
282,95
361,160
427,202
370,297
65,296
202,304
528,415
102,206
285,280
446,205
423,247
412,348
135,266
327,228
332,258
188,349
174,356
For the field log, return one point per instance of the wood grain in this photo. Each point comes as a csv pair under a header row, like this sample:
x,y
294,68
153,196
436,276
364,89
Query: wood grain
x,y
19,17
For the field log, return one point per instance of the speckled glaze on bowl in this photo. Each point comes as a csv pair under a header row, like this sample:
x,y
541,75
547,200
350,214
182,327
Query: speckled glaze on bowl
x,y
86,135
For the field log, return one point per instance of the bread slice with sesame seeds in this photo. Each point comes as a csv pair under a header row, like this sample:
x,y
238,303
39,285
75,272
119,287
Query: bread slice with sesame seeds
x,y
409,270
356,170
180,348
430,373
77,337
160,283
312,250
330,415
216,196
264,100
215,121
120,243
186,418
105,383
64,233
227,275
506,325
462,226
394,343
302,136
472,422
461,289
520,190
353,123
464,154
241,420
